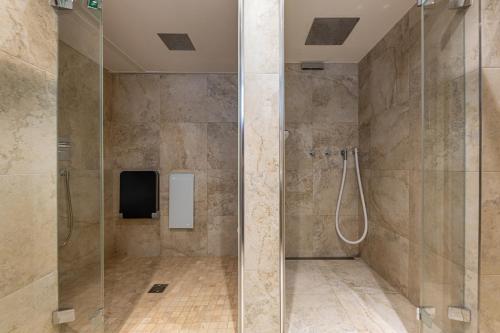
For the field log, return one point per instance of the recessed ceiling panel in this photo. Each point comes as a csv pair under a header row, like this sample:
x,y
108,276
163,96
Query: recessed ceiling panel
x,y
177,42
330,30
376,18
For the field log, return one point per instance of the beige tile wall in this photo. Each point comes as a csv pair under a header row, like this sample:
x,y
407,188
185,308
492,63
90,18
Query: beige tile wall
x,y
176,122
28,208
389,110
440,268
79,121
261,66
322,118
490,228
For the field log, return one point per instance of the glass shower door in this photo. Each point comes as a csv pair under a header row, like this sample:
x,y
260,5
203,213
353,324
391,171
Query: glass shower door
x,y
447,148
80,166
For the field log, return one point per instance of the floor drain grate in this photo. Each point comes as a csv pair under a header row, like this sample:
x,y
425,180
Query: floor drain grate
x,y
158,288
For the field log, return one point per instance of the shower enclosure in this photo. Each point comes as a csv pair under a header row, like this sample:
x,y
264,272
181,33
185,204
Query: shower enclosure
x,y
412,106
79,119
450,165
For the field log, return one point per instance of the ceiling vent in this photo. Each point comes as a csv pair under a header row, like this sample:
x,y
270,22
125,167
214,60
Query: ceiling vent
x,y
330,30
177,42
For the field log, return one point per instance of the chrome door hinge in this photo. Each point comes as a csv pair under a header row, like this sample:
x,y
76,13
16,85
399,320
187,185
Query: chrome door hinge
x,y
452,4
63,316
62,4
421,3
425,314
459,4
459,313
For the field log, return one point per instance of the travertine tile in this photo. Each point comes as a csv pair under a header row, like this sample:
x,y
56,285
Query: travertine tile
x,y
138,240
326,186
262,301
444,133
490,47
299,192
136,99
78,114
299,151
136,121
327,96
442,191
261,31
490,230
327,243
298,96
344,294
35,301
389,202
223,94
222,235
329,140
85,196
222,145
445,57
261,173
491,119
387,254
199,98
186,123
81,251
442,285
29,32
28,109
490,285
183,146
185,242
390,151
390,154
27,118
299,235
321,114
222,186
201,295
28,243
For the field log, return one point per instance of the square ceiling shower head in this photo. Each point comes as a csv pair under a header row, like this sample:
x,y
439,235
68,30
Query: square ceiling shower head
x,y
330,30
177,42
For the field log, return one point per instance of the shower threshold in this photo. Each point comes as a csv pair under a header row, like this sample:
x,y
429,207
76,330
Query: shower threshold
x,y
320,258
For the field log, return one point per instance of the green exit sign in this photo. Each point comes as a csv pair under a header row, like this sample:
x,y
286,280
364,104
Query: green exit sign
x,y
94,4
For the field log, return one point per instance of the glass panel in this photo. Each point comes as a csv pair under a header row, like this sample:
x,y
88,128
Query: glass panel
x,y
80,174
444,139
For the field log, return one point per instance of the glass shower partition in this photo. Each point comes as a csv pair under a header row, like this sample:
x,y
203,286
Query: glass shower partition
x,y
80,222
450,127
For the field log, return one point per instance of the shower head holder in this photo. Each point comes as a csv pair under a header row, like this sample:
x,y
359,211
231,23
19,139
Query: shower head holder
x,y
343,152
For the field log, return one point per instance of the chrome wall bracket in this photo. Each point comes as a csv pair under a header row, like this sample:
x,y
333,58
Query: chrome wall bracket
x,y
62,4
426,314
459,313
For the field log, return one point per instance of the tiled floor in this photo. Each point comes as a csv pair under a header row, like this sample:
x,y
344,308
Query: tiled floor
x,y
201,296
343,296
321,296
